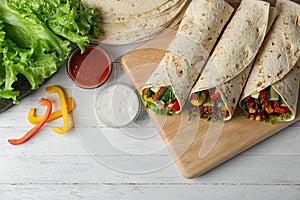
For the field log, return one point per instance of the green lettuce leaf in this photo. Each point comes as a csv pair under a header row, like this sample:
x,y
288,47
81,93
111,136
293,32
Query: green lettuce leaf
x,y
67,18
36,37
274,119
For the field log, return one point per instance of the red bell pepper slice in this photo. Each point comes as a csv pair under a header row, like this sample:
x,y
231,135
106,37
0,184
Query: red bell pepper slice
x,y
282,109
250,104
175,106
34,130
194,97
216,95
263,95
145,91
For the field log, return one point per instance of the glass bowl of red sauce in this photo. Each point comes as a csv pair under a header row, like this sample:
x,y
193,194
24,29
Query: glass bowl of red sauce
x,y
90,69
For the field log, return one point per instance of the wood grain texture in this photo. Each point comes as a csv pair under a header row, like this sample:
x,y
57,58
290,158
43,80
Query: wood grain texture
x,y
51,166
185,137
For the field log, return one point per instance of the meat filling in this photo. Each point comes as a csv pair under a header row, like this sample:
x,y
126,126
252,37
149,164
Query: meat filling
x,y
209,105
266,105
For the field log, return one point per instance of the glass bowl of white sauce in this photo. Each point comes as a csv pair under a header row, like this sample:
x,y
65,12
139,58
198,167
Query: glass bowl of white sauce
x,y
117,104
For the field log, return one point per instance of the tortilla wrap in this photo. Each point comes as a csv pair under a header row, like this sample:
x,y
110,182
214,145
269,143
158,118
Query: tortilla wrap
x,y
190,48
141,29
115,11
123,22
278,56
229,66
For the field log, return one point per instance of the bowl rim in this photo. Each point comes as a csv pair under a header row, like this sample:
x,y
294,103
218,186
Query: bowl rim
x,y
109,85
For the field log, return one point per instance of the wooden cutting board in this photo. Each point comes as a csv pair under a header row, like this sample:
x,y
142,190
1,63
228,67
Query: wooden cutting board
x,y
196,145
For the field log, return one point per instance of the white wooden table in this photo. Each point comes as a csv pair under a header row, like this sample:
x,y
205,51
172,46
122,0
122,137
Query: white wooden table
x,y
92,161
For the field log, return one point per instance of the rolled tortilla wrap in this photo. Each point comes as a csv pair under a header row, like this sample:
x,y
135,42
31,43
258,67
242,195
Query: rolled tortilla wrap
x,y
217,91
186,55
275,71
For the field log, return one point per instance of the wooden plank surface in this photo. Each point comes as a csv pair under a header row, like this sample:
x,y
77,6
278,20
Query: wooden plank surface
x,y
196,146
51,166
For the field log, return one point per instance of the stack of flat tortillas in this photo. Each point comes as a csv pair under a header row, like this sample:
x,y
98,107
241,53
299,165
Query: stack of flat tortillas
x,y
123,22
275,64
230,64
190,48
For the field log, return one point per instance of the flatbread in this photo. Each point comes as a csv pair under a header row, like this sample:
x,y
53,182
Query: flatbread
x,y
123,11
189,50
278,56
124,22
142,29
230,63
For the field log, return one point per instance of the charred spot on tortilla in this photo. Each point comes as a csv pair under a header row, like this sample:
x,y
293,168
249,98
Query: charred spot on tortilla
x,y
184,27
179,72
249,22
259,62
285,36
279,73
259,84
175,62
202,30
279,55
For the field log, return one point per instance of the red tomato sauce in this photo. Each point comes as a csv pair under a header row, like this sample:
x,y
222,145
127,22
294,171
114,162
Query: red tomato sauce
x,y
90,69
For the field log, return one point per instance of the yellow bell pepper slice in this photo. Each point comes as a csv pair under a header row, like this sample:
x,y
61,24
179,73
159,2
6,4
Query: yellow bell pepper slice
x,y
195,103
64,109
147,99
199,102
33,119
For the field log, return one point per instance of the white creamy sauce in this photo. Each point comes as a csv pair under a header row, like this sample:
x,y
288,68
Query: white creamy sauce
x,y
117,105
